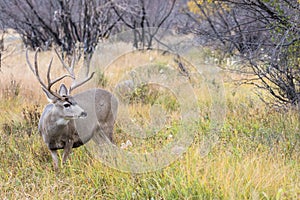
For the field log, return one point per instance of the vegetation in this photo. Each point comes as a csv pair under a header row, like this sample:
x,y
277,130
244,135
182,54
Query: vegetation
x,y
263,35
256,155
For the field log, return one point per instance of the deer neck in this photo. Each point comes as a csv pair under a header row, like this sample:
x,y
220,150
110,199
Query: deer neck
x,y
56,119
62,122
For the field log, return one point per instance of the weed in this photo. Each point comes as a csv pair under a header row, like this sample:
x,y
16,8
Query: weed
x,y
28,124
142,94
255,155
101,80
12,90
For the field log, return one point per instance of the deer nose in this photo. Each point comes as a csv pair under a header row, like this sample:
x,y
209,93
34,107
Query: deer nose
x,y
83,114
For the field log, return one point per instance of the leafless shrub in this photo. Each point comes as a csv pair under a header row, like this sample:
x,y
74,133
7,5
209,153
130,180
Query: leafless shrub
x,y
264,35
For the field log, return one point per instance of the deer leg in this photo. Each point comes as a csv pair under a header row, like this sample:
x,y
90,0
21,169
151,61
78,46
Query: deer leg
x,y
67,150
54,158
108,132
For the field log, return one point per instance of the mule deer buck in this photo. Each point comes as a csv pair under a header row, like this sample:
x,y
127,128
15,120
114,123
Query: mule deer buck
x,y
70,121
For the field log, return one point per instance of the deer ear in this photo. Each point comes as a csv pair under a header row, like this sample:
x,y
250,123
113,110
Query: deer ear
x,y
63,91
51,98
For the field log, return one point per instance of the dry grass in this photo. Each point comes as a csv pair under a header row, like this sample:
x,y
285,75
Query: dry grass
x,y
255,155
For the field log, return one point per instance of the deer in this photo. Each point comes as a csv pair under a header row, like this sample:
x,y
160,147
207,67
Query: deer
x,y
70,121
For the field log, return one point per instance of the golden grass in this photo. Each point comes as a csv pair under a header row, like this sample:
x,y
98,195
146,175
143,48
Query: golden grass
x,y
254,156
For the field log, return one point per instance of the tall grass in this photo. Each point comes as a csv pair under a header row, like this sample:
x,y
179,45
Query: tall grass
x,y
255,156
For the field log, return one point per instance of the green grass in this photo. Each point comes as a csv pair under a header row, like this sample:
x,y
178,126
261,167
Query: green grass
x,y
255,155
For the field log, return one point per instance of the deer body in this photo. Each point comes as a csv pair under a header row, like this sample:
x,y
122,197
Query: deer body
x,y
70,121
94,112
102,108
56,132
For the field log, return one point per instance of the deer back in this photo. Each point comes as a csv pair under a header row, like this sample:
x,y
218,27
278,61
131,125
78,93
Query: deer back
x,y
101,108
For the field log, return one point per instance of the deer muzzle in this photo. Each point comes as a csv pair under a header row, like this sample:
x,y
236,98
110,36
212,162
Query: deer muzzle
x,y
83,115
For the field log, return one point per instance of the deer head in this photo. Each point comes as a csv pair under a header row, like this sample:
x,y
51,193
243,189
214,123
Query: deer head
x,y
65,106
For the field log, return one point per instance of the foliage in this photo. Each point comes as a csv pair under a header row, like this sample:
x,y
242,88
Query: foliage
x,y
192,5
254,156
264,35
257,156
28,124
101,80
12,90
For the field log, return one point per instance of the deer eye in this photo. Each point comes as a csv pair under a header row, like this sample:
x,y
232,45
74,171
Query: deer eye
x,y
67,105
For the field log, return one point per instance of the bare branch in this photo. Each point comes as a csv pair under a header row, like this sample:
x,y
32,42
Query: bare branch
x,y
76,85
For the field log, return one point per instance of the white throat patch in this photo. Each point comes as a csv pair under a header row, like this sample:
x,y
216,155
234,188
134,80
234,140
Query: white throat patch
x,y
62,121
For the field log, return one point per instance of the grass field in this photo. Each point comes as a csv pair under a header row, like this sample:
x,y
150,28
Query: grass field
x,y
256,154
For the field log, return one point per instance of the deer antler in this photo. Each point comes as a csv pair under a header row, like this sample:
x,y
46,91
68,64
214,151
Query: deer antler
x,y
71,71
35,71
50,82
76,85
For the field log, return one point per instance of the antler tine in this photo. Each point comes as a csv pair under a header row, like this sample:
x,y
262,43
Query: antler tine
x,y
71,72
76,85
28,62
50,83
73,62
48,74
35,70
69,69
